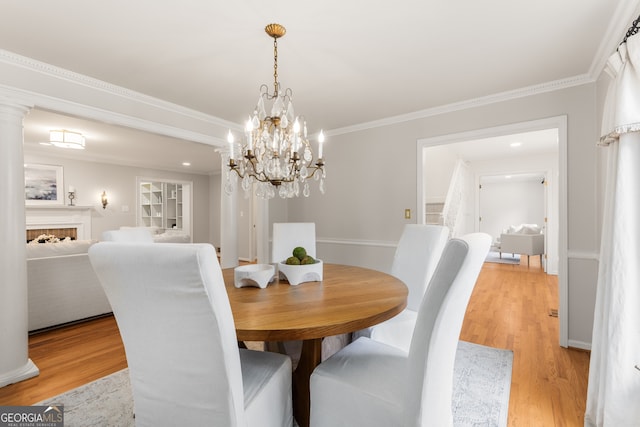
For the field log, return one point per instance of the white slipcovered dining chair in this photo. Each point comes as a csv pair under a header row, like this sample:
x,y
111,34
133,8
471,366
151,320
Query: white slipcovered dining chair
x,y
286,237
130,235
369,383
176,323
414,262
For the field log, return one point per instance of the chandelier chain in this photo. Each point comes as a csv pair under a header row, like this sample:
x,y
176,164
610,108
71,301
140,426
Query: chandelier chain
x,y
275,67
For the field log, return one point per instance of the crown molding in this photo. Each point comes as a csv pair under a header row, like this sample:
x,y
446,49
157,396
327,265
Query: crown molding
x,y
51,71
98,114
471,103
624,14
32,99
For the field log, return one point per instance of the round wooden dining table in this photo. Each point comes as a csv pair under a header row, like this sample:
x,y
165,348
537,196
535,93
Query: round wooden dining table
x,y
346,300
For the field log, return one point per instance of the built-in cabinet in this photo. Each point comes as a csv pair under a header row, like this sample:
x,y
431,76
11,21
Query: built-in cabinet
x,y
173,214
161,205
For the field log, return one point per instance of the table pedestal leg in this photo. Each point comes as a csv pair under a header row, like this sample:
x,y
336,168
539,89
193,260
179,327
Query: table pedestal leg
x,y
310,357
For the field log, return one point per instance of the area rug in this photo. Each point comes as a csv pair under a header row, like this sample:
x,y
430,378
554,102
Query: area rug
x,y
506,258
482,383
481,386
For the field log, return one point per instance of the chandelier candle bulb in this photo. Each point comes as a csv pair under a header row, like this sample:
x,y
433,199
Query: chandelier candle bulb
x,y
230,139
320,142
296,135
72,194
249,129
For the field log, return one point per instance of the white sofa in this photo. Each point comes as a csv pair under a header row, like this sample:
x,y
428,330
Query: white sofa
x,y
162,235
62,286
525,239
172,236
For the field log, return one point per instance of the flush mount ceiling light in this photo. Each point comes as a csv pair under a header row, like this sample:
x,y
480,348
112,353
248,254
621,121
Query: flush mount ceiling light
x,y
276,153
66,139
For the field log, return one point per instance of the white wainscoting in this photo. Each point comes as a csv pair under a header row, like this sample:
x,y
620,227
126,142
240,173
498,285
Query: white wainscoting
x,y
583,271
373,254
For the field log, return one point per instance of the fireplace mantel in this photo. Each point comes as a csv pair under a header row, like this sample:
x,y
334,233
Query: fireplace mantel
x,y
60,216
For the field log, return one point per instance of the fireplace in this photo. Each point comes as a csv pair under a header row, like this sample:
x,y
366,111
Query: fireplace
x,y
60,233
61,221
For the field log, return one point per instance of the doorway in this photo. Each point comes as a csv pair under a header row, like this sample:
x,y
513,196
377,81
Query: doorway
x,y
164,204
433,181
509,201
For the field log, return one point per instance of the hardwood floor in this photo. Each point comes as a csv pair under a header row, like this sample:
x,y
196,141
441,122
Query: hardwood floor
x,y
509,309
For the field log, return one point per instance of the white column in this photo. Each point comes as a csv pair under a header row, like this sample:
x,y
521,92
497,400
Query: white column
x,y
228,219
15,364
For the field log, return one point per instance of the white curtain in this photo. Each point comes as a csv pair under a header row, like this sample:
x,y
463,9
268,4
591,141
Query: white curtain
x,y
613,397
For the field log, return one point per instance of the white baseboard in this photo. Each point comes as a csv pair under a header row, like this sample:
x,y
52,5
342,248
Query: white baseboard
x,y
579,345
28,370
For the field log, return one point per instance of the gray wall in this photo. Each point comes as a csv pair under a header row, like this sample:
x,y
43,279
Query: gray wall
x,y
91,178
507,203
439,163
371,179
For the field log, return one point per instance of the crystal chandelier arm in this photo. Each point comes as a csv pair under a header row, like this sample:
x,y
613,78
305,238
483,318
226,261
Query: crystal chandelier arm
x,y
250,169
318,167
264,92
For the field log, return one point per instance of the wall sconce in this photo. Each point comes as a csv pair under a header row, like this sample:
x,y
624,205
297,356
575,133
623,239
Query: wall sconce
x,y
104,200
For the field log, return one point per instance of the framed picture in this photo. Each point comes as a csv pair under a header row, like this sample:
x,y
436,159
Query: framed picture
x,y
43,185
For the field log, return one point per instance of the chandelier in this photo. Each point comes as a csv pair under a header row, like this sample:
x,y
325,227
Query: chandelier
x,y
276,154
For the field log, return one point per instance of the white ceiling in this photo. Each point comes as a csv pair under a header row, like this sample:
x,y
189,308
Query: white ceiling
x,y
119,145
509,148
348,63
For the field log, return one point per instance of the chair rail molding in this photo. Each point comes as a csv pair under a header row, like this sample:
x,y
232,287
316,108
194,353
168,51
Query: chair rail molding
x,y
356,242
587,255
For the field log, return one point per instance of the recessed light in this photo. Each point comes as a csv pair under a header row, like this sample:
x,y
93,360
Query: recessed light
x,y
515,144
507,176
186,164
